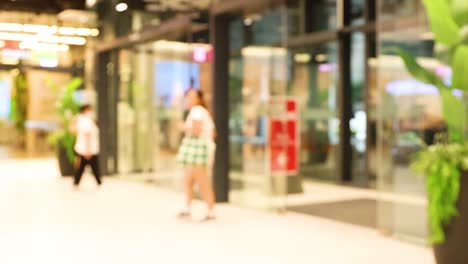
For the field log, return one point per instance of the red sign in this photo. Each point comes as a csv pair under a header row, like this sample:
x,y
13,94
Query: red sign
x,y
284,140
14,45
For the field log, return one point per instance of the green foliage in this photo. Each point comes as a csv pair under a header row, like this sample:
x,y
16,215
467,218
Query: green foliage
x,y
454,108
66,139
419,72
67,108
460,65
20,101
442,165
459,11
445,29
455,115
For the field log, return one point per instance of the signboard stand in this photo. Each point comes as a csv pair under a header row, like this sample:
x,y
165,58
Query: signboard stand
x,y
283,148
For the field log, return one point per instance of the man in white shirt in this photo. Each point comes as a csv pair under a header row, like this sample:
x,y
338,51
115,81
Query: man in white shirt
x,y
87,144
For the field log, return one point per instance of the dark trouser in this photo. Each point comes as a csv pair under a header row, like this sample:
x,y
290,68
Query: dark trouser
x,y
93,162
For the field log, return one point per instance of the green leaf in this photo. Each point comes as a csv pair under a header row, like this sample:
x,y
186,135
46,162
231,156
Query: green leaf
x,y
419,72
442,165
455,115
460,68
459,10
445,30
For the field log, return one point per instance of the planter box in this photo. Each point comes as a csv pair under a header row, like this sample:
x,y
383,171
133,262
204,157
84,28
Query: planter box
x,y
455,249
66,167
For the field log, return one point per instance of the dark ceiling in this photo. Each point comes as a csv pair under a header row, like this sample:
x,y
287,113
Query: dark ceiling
x,y
41,6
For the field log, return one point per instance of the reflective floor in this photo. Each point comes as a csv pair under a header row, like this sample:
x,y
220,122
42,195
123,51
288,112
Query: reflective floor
x,y
43,220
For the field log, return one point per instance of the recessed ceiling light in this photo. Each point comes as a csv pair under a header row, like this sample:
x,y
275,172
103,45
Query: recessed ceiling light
x,y
121,7
248,22
321,57
90,3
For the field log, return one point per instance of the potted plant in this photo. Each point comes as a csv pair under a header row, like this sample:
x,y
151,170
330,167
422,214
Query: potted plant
x,y
63,138
19,105
445,164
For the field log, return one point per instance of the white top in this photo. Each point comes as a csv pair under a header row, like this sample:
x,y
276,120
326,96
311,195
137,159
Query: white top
x,y
87,136
199,113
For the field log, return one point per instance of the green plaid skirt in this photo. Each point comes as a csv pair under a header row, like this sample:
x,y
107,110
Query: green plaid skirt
x,y
193,152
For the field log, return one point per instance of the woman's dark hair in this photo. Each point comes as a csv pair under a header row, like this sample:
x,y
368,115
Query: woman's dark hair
x,y
200,95
85,108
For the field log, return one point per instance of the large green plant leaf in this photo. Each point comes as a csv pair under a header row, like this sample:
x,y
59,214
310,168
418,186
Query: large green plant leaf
x,y
445,30
459,9
460,68
455,115
419,72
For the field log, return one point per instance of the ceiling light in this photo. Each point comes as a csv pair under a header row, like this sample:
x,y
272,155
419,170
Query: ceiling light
x,y
43,46
94,32
121,7
248,22
47,39
49,30
83,32
67,31
302,57
321,57
42,29
90,3
265,52
11,27
48,63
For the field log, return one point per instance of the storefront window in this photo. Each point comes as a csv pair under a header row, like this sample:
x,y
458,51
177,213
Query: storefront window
x,y
320,15
409,115
357,12
392,9
314,84
258,73
154,78
134,110
310,16
358,123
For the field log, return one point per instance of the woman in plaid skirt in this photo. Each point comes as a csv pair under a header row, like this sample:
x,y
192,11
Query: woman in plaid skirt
x,y
196,152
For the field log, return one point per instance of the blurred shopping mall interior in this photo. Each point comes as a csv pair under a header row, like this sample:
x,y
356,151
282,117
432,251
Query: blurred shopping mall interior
x,y
323,72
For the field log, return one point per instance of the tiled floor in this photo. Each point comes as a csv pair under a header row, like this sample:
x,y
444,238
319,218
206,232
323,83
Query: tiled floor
x,y
43,220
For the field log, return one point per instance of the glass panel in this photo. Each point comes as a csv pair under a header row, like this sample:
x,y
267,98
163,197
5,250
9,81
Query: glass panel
x,y
266,28
125,114
321,15
314,83
357,12
257,75
174,72
5,101
359,120
391,9
135,111
407,111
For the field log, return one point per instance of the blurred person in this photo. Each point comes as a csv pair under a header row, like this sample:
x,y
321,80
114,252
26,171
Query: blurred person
x,y
196,153
87,144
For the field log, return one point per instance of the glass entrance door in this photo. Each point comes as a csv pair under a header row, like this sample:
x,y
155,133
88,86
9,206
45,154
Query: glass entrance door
x,y
258,75
314,83
154,78
135,112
